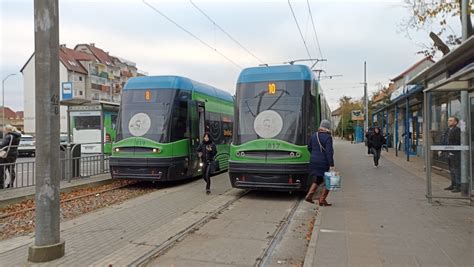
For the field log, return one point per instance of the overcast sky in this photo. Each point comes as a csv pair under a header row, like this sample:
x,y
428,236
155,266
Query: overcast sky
x,y
350,32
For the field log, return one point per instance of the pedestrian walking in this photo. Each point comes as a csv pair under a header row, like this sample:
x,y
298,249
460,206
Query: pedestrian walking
x,y
452,137
376,141
322,160
207,151
368,134
9,146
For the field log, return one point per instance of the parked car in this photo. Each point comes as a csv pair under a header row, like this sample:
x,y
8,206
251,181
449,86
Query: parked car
x,y
27,145
63,139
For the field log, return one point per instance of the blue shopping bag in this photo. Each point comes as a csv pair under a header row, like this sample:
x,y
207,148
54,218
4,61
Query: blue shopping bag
x,y
332,181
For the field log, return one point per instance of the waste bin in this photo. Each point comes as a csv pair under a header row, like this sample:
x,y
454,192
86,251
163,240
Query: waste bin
x,y
74,163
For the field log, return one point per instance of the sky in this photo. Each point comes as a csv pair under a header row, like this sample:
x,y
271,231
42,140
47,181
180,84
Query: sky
x,y
349,33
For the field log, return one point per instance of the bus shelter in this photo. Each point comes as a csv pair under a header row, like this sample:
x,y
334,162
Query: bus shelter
x,y
449,96
91,124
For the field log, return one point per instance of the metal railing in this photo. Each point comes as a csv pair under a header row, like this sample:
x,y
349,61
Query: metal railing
x,y
22,174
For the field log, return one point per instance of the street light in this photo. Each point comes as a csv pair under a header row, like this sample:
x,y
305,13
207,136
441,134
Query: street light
x,y
3,101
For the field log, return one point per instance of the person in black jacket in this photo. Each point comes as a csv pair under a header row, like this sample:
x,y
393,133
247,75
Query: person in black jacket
x,y
10,143
452,137
376,141
368,134
207,151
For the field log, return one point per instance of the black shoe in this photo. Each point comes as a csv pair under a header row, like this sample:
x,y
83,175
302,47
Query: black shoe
x,y
456,190
208,192
449,187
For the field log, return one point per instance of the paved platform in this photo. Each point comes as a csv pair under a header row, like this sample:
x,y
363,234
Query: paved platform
x,y
382,218
9,196
133,227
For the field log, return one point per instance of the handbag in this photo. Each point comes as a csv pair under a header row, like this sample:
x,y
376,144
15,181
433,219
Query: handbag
x,y
215,166
3,153
332,181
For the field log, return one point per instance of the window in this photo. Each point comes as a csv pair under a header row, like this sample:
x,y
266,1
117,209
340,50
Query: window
x,y
455,107
227,128
113,119
87,122
80,78
81,93
179,130
146,118
286,105
214,127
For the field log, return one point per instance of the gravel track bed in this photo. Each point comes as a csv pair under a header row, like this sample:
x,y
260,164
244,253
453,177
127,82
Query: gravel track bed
x,y
19,219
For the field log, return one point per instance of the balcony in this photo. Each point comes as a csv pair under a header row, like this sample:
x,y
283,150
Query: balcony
x,y
99,80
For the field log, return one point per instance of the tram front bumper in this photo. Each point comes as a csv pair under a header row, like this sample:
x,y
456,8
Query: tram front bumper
x,y
148,169
282,177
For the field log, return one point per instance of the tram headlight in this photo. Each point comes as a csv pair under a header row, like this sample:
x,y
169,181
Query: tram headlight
x,y
117,149
241,154
295,154
201,164
156,150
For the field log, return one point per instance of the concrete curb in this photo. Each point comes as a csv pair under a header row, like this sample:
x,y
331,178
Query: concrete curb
x,y
68,188
311,252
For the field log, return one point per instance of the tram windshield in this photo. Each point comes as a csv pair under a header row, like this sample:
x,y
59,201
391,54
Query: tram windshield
x,y
145,113
270,110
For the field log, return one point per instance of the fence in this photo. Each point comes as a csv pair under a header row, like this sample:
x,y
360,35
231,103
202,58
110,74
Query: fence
x,y
81,166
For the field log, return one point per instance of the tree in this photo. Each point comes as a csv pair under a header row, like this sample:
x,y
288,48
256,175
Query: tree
x,y
425,14
347,105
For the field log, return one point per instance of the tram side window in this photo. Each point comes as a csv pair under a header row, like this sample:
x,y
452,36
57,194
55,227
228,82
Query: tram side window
x,y
227,128
214,127
312,117
179,129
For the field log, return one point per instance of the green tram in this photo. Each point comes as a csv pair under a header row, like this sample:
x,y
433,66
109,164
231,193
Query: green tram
x,y
161,122
277,109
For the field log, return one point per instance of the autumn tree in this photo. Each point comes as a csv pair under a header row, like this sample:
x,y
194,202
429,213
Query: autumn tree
x,y
433,15
347,105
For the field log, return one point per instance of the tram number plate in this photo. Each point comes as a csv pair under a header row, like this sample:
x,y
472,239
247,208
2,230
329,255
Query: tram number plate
x,y
273,145
140,142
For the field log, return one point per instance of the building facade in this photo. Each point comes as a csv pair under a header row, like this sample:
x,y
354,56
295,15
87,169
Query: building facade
x,y
401,116
85,72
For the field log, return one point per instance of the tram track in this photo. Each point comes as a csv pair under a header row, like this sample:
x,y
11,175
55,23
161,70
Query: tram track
x,y
277,236
281,216
171,242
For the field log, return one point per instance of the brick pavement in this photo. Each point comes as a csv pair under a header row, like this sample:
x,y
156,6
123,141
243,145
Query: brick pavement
x,y
382,218
92,237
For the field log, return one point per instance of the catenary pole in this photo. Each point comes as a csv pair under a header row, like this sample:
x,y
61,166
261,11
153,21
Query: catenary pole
x,y
47,245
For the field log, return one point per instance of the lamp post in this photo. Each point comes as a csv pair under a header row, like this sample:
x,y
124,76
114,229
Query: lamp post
x,y
3,101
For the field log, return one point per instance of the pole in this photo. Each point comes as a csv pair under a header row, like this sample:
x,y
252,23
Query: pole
x,y
464,19
396,130
47,245
465,109
366,100
427,142
342,123
407,128
102,141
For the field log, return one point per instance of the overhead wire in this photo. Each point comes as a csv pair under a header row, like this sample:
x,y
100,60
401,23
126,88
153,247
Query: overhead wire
x,y
314,29
191,34
226,33
299,29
